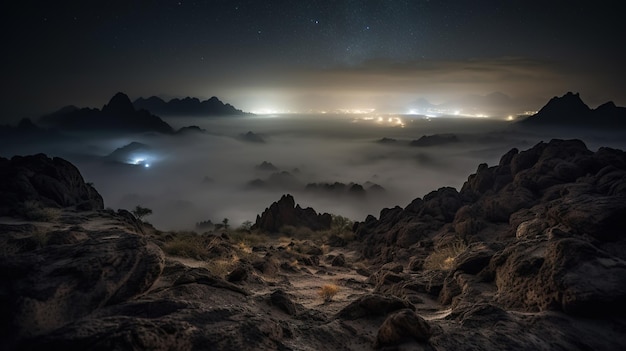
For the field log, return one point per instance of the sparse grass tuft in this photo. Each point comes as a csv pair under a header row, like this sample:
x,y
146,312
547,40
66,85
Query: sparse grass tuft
x,y
221,267
247,238
443,259
34,211
328,291
190,244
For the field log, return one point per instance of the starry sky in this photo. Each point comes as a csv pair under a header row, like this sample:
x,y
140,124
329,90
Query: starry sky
x,y
309,55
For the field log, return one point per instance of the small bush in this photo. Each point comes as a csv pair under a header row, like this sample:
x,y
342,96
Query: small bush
x,y
221,267
190,244
247,238
34,211
328,291
141,212
341,224
443,259
341,227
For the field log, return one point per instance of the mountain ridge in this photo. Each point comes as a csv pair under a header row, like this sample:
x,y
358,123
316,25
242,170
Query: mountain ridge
x,y
188,106
118,114
570,110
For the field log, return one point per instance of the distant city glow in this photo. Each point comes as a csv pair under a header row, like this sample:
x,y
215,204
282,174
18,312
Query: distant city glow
x,y
266,111
356,111
393,121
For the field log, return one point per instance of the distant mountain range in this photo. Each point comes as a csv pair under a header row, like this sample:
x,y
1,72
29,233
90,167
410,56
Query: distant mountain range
x,y
118,115
570,111
187,107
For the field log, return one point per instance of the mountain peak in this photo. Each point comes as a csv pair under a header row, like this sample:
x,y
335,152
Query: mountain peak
x,y
570,110
188,106
119,104
568,103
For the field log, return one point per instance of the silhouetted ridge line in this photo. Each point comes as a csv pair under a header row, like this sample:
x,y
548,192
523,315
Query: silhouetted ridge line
x,y
187,107
117,115
570,110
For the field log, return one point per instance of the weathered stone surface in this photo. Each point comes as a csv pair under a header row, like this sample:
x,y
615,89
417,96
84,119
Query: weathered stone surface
x,y
50,286
286,212
545,257
402,325
280,299
45,182
373,305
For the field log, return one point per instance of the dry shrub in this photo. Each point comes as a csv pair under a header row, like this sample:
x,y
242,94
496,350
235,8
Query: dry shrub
x,y
221,267
328,291
34,211
442,259
248,238
243,247
187,244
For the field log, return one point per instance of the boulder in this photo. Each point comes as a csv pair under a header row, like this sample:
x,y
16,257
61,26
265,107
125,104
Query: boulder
x,y
373,305
400,326
42,182
70,277
280,299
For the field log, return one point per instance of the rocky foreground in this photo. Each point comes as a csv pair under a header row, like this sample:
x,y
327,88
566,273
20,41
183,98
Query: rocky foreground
x,y
530,254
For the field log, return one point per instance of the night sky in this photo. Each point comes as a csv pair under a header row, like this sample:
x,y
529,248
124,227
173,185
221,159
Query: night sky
x,y
309,55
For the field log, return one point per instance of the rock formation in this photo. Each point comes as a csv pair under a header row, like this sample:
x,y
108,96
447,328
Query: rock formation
x,y
435,140
386,140
266,166
286,212
542,233
251,137
30,183
528,255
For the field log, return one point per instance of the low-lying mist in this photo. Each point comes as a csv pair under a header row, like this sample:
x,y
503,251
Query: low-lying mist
x,y
219,173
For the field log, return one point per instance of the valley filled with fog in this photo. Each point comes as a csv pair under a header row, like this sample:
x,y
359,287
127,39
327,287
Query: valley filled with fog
x,y
238,166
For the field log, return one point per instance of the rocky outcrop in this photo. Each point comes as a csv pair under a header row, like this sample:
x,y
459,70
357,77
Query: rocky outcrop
x,y
386,140
397,229
32,183
69,273
373,305
400,326
266,166
435,140
543,229
286,212
251,137
530,248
